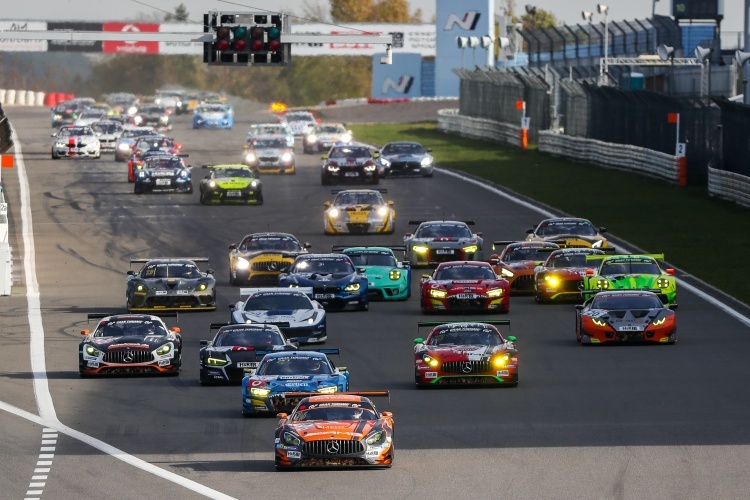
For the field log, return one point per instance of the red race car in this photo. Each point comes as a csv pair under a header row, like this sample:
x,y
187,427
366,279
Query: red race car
x,y
517,261
465,353
464,286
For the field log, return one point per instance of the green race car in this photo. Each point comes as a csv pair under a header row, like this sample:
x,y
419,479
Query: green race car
x,y
236,184
388,279
631,272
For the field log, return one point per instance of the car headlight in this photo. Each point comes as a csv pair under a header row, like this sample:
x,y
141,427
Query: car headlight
x,y
137,119
375,437
132,110
471,249
662,283
430,360
286,157
312,138
426,161
290,438
497,292
260,391
383,211
334,212
552,280
250,157
500,361
183,173
385,162
327,390
254,184
602,284
212,184
438,294
395,274
92,351
419,249
310,321
599,322
141,288
597,244
164,349
507,273
60,144
201,287
353,287
370,168
659,321
123,147
164,119
346,138
58,117
242,263
216,362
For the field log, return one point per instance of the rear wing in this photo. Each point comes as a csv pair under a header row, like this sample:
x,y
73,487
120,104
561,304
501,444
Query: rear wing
x,y
503,243
655,256
341,248
307,290
337,191
149,259
422,324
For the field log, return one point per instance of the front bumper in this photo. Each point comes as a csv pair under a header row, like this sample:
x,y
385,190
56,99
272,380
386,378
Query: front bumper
x,y
352,453
218,196
500,304
173,302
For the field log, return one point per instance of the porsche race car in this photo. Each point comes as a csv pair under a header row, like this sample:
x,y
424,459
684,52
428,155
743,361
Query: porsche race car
x,y
125,143
518,260
561,275
353,164
231,184
163,173
74,141
401,159
632,272
153,115
442,241
359,211
388,279
213,115
464,286
150,145
569,232
324,136
170,285
260,257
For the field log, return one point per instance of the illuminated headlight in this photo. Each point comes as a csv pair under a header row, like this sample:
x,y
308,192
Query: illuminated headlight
x,y
92,351
286,157
370,168
354,287
497,292
507,273
662,283
552,280
212,184
599,322
312,138
500,361
137,119
58,117
430,360
383,211
438,294
395,274
59,144
254,184
183,173
426,161
216,362
132,110
164,349
419,249
471,249
250,157
259,391
334,212
375,437
290,438
346,138
331,168
123,147
310,321
602,284
164,119
242,263
327,390
597,244
659,321
201,287
141,289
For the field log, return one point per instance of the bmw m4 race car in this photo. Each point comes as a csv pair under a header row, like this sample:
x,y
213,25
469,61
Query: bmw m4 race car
x,y
632,272
335,430
269,154
161,174
466,352
230,184
569,232
561,275
401,159
349,165
324,136
213,116
263,389
278,129
517,261
388,279
359,211
464,286
73,141
260,257
625,316
129,344
442,241
290,309
299,122
108,132
336,283
236,348
170,285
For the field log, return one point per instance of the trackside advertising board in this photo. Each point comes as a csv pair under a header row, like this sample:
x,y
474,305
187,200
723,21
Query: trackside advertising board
x,y
7,45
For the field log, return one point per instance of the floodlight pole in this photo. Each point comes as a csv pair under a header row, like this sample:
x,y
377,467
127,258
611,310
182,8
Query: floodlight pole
x,y
746,97
604,69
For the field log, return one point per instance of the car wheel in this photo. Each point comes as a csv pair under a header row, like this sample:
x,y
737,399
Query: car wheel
x,y
260,199
203,198
98,155
427,175
364,307
189,188
232,281
137,189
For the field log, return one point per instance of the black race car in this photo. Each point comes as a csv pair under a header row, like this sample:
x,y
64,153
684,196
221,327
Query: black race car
x,y
349,165
171,285
163,173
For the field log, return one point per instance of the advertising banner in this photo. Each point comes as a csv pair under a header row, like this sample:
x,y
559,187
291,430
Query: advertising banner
x,y
184,48
469,18
77,45
401,79
411,38
112,47
7,45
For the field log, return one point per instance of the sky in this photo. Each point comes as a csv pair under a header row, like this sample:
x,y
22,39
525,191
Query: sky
x,y
567,11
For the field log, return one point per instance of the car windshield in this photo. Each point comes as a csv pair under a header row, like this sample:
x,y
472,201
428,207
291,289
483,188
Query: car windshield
x,y
443,231
330,129
620,267
276,302
294,365
299,117
465,273
136,132
520,254
96,115
154,144
139,327
384,259
257,338
572,260
465,336
272,143
555,228
169,163
623,302
358,198
153,110
170,270
280,243
323,266
334,412
212,109
106,128
403,149
77,131
234,172
350,153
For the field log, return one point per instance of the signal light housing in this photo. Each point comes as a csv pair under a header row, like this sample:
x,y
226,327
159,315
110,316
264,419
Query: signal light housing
x,y
248,39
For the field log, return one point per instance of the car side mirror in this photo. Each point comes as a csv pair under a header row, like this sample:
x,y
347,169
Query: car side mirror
x,y
494,261
426,276
175,329
408,235
281,416
85,332
233,246
53,135
245,147
131,272
387,414
324,157
530,231
376,155
670,271
419,340
511,338
204,343
307,245
342,368
361,270
429,150
327,204
390,203
602,230
673,307
479,233
209,271
579,307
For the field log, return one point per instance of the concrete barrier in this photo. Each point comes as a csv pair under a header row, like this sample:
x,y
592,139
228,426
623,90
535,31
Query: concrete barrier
x,y
729,186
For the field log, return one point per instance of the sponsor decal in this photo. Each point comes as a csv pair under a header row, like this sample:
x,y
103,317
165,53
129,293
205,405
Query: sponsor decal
x,y
467,22
503,373
164,362
401,86
120,47
258,383
430,375
93,364
294,454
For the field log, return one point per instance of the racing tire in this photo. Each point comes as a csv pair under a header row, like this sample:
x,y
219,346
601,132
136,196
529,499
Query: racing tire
x,y
137,189
98,155
55,156
203,199
427,175
189,189
364,307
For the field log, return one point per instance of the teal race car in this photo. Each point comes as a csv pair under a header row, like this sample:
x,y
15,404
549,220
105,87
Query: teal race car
x,y
631,272
388,279
231,184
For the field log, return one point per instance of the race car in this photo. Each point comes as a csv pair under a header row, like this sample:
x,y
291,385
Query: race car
x,y
235,348
625,316
442,241
324,136
464,286
335,430
294,371
125,143
290,309
388,279
560,277
128,344
170,285
269,154
359,211
213,116
170,99
65,113
89,116
632,272
73,141
349,164
231,184
271,129
163,173
568,232
336,283
299,122
153,115
154,145
260,257
402,158
108,132
465,352
517,261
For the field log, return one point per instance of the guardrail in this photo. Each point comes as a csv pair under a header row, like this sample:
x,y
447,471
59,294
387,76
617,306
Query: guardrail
x,y
451,122
729,186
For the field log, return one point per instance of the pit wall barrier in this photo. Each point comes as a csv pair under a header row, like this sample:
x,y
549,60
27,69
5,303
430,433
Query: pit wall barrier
x,y
13,97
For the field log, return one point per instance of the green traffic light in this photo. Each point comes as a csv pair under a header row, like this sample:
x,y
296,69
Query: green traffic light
x,y
273,33
240,32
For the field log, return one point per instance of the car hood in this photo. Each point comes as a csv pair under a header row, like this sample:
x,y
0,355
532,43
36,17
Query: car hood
x,y
622,319
278,315
632,281
268,151
446,239
333,279
130,342
171,283
328,429
466,285
462,352
523,264
297,383
233,182
348,161
565,272
405,157
213,115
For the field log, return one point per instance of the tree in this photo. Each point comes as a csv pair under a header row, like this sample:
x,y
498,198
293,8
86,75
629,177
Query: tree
x,y
180,14
352,11
538,19
391,11
314,12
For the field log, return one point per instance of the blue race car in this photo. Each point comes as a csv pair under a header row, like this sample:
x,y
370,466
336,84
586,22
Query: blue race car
x,y
213,115
336,283
388,279
290,371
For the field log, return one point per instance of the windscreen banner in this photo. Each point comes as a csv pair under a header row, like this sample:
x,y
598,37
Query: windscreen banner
x,y
74,45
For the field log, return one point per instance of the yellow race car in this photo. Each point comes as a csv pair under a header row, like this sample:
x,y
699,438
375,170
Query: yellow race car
x,y
260,257
359,211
